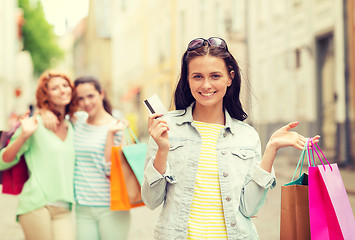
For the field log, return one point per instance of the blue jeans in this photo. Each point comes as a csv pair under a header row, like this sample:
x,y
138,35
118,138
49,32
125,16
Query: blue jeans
x,y
101,223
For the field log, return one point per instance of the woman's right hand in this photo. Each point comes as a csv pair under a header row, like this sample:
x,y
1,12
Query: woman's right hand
x,y
158,130
28,125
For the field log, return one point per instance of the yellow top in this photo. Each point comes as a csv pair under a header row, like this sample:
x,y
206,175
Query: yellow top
x,y
206,220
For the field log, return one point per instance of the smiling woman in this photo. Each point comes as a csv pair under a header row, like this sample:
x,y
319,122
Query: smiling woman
x,y
46,199
96,132
203,161
64,14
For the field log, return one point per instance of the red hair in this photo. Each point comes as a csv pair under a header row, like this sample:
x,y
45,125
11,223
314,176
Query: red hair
x,y
43,101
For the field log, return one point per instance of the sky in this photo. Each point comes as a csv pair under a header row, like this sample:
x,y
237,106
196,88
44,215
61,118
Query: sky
x,y
58,12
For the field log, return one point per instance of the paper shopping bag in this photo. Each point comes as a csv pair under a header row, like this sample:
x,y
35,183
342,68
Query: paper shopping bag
x,y
125,187
339,199
331,216
294,224
135,152
135,155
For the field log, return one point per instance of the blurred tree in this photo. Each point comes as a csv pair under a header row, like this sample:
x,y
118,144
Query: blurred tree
x,y
38,37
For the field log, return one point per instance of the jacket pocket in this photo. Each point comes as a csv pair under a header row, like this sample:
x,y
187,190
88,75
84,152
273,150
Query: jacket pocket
x,y
177,153
243,154
175,145
242,159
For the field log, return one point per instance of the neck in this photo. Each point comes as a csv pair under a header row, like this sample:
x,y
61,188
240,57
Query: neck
x,y
61,111
98,118
208,114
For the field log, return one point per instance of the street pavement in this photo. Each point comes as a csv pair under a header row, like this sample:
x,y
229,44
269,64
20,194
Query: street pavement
x,y
267,220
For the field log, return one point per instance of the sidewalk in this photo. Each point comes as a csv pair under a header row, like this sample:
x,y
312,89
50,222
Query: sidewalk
x,y
142,220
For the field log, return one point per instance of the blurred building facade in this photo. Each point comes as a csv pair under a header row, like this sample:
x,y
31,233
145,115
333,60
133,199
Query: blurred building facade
x,y
297,52
7,57
16,81
92,51
296,59
350,56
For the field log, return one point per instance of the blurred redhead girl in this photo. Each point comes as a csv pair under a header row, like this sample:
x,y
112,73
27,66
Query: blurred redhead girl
x,y
44,207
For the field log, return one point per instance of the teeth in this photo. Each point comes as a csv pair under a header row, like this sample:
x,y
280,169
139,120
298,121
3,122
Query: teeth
x,y
207,94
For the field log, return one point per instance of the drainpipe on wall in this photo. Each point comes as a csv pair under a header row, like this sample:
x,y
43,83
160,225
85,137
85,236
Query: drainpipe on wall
x,y
348,139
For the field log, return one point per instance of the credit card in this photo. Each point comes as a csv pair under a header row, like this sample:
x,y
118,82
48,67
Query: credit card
x,y
154,105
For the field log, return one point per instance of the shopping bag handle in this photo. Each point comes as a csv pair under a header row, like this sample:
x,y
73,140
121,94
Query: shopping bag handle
x,y
300,161
128,134
310,163
316,151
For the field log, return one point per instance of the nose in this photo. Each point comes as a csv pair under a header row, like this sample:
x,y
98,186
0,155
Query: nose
x,y
206,83
62,89
85,101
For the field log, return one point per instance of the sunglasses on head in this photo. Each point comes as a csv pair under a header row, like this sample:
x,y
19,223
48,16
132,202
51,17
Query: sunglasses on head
x,y
212,41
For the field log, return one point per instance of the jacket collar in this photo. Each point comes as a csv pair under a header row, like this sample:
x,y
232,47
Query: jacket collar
x,y
185,116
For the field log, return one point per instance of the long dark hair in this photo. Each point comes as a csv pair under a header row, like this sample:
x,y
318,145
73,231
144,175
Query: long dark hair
x,y
97,85
231,102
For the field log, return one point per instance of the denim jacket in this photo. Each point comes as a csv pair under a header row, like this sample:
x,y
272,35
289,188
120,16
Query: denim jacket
x,y
243,183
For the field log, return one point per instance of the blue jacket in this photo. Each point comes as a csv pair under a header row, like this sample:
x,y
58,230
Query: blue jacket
x,y
243,183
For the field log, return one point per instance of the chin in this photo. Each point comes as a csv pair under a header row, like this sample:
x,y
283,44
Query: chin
x,y
210,103
66,102
90,112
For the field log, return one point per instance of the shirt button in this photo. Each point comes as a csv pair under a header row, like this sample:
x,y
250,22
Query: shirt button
x,y
224,152
228,199
225,174
225,134
232,224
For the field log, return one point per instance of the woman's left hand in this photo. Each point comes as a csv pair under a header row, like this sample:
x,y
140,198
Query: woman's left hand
x,y
283,137
119,125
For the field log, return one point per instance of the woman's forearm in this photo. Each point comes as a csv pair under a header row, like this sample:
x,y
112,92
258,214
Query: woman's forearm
x,y
268,157
108,146
12,149
160,161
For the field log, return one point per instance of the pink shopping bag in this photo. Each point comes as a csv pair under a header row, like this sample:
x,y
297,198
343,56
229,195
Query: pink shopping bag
x,y
331,216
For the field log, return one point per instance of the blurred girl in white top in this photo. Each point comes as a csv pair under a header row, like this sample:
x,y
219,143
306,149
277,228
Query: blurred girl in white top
x,y
94,135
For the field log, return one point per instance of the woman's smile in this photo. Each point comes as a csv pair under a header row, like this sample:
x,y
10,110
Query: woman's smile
x,y
208,94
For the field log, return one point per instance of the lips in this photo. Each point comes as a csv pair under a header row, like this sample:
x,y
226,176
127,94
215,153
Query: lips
x,y
87,109
207,94
65,98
